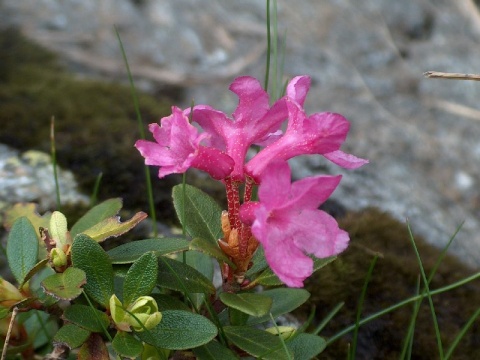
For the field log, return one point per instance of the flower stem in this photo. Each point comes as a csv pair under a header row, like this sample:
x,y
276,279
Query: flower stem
x,y
233,203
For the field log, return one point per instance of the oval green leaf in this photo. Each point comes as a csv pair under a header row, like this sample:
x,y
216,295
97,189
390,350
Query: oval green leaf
x,y
89,256
86,317
167,302
214,351
175,275
141,278
128,253
66,285
284,300
306,346
202,213
22,248
71,335
96,214
251,304
126,345
258,343
180,330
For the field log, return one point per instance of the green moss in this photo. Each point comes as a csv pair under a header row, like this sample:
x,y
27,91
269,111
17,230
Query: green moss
x,y
394,279
95,122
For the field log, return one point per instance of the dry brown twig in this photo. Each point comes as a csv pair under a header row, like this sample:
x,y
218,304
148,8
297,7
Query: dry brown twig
x,y
9,333
451,76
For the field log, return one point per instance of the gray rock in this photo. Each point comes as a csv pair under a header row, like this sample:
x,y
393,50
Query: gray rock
x,y
366,60
28,177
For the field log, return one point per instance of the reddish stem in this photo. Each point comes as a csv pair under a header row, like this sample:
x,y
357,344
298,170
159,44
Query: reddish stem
x,y
233,202
247,195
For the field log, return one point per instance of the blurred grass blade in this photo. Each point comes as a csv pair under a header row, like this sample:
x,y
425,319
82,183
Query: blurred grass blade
x,y
408,341
96,188
403,303
461,334
269,45
142,135
429,295
54,163
360,306
329,317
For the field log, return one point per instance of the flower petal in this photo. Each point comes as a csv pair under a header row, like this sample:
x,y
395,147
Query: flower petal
x,y
297,89
253,101
277,178
330,240
344,160
311,192
320,133
178,148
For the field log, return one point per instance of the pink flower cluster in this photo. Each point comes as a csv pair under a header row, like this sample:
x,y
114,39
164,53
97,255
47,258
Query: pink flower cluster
x,y
285,219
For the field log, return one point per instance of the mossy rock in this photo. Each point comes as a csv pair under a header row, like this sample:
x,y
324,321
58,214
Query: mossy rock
x,y
394,279
95,122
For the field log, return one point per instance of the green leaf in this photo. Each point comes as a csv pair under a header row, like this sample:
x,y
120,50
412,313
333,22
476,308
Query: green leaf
x,y
175,275
251,304
40,327
285,300
268,278
214,351
167,302
128,253
126,345
320,263
38,267
58,228
256,342
87,317
202,213
66,285
96,214
209,248
204,265
306,346
113,227
141,278
200,262
89,256
180,330
71,335
22,248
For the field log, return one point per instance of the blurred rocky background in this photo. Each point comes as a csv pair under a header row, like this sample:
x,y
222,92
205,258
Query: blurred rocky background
x,y
366,59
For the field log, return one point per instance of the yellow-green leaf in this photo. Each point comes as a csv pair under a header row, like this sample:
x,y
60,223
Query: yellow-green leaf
x,y
102,211
112,227
29,210
58,228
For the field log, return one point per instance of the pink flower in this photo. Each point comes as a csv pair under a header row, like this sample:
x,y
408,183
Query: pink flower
x,y
178,148
287,222
321,133
254,121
